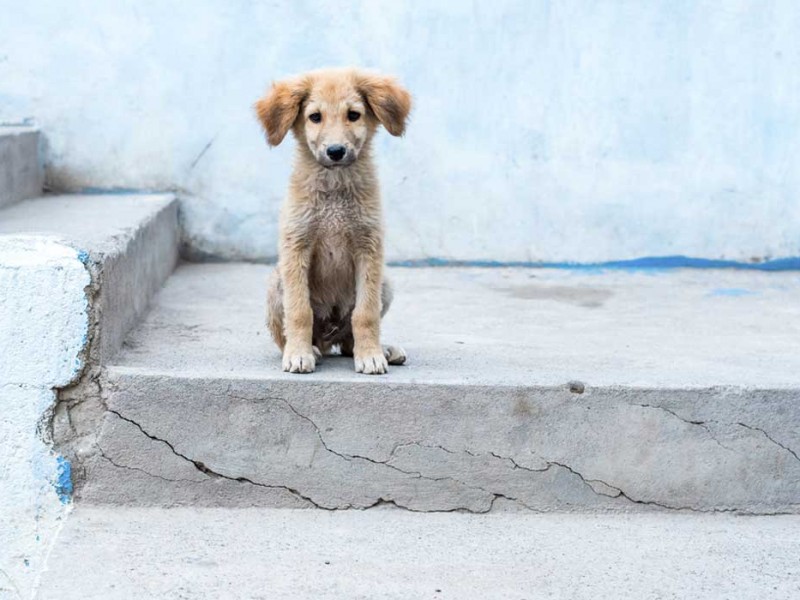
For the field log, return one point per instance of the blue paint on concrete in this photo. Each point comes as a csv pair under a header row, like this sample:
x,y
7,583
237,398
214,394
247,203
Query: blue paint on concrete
x,y
117,191
636,264
63,483
732,292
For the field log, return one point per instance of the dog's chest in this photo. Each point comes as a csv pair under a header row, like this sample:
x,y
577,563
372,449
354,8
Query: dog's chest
x,y
333,231
334,220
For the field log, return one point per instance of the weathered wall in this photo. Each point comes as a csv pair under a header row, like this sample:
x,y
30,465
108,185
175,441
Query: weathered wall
x,y
544,130
43,331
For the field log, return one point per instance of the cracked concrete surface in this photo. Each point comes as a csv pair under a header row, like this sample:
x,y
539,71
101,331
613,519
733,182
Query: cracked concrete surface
x,y
439,448
198,411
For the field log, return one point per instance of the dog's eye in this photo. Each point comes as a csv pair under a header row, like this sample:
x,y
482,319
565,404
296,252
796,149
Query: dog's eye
x,y
353,115
315,117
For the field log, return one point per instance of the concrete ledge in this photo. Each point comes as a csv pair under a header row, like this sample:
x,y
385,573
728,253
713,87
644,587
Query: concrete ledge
x,y
128,241
21,171
115,553
75,273
530,389
44,321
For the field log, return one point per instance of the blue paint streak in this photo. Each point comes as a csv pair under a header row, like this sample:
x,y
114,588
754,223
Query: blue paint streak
x,y
636,264
63,483
118,191
732,292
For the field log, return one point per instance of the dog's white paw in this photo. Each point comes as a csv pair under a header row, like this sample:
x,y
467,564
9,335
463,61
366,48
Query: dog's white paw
x,y
299,361
371,363
395,355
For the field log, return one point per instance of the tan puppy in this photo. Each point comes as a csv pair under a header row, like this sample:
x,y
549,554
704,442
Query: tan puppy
x,y
329,289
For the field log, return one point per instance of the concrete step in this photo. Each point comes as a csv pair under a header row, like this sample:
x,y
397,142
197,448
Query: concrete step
x,y
525,389
121,553
76,272
129,242
21,171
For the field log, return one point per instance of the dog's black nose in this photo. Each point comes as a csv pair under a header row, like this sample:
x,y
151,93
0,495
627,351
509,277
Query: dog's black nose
x,y
336,152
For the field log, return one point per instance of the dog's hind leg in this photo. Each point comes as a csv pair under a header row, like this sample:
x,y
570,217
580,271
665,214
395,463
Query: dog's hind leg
x,y
395,355
275,309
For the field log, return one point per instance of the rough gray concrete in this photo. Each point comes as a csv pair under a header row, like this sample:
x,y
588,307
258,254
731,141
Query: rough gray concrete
x,y
129,241
540,390
129,245
124,553
21,171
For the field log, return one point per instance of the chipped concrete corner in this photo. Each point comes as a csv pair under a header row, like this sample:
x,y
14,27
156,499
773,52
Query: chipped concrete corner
x,y
451,448
44,329
125,273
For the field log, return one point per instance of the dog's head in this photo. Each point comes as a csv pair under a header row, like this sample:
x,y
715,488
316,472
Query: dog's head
x,y
335,112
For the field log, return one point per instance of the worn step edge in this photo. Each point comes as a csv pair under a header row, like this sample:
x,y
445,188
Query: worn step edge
x,y
232,442
126,278
128,257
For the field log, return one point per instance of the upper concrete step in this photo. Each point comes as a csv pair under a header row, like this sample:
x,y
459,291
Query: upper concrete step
x,y
21,171
128,241
552,390
194,554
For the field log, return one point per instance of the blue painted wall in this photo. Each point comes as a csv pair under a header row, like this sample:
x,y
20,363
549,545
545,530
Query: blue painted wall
x,y
544,131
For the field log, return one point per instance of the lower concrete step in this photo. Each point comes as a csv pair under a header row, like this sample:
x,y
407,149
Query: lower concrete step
x,y
21,171
525,389
121,553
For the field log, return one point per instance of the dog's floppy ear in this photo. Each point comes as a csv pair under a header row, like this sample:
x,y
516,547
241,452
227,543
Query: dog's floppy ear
x,y
390,101
278,109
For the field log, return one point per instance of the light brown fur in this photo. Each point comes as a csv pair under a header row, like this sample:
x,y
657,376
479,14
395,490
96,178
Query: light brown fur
x,y
329,289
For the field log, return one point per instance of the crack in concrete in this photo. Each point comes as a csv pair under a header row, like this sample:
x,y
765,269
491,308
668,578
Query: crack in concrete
x,y
622,494
703,424
619,493
211,473
771,439
386,463
202,152
493,496
105,456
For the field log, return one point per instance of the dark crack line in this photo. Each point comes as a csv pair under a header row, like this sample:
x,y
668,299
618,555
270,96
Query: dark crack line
x,y
771,439
204,469
623,494
380,501
703,424
386,463
202,152
494,495
619,493
104,456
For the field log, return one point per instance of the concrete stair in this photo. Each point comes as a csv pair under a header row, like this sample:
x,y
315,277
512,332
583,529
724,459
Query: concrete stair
x,y
526,389
643,398
21,170
127,241
111,553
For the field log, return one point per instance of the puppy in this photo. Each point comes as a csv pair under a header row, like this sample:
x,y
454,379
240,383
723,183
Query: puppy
x,y
329,288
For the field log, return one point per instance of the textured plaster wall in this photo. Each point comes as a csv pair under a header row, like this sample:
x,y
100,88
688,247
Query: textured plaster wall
x,y
43,328
569,130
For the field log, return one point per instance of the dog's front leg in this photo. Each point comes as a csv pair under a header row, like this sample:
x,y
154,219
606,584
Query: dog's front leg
x,y
298,354
366,320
